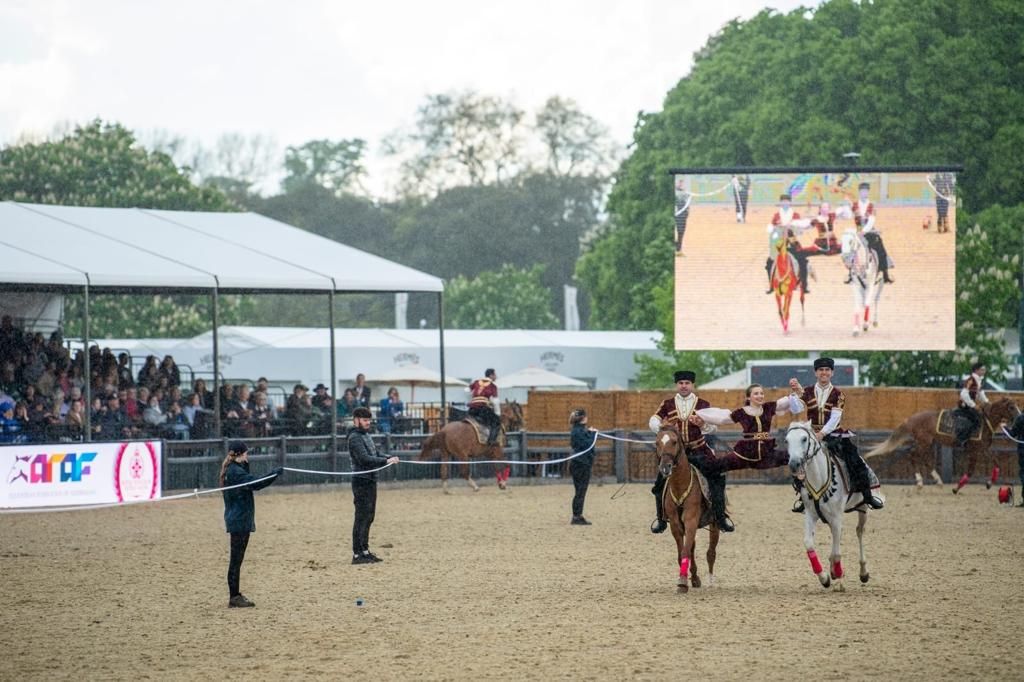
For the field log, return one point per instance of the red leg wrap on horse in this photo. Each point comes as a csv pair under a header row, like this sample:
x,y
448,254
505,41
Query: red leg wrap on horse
x,y
995,475
505,473
837,569
684,566
963,481
815,564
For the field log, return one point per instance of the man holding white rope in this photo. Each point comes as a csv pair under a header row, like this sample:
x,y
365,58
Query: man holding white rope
x,y
363,452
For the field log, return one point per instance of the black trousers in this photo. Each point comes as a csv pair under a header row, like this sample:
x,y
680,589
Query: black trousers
x,y
580,469
239,541
364,497
860,479
874,241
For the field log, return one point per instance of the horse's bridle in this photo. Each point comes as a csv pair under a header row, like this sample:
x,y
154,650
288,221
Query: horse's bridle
x,y
679,444
811,442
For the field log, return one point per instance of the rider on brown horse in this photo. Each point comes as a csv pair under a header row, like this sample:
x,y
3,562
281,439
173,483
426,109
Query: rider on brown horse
x,y
782,227
968,420
679,412
825,408
481,405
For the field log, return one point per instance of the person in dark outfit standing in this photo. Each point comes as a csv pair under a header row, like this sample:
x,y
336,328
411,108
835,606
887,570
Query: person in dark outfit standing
x,y
581,439
240,511
363,452
1017,432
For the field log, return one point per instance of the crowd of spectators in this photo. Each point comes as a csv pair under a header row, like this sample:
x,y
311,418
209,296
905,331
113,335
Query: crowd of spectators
x,y
42,388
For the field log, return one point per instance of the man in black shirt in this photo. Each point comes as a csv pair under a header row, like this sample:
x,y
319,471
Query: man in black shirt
x,y
363,452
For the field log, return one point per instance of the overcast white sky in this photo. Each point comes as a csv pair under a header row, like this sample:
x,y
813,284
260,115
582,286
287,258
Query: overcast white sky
x,y
309,69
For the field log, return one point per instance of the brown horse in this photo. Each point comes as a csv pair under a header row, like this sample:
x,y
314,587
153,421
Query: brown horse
x,y
685,507
919,433
785,281
458,441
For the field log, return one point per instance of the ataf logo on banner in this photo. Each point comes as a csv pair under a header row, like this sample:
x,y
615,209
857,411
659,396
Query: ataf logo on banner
x,y
91,473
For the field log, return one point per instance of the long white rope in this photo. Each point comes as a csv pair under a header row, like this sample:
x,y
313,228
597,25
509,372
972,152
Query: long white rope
x,y
197,492
937,192
1009,436
712,193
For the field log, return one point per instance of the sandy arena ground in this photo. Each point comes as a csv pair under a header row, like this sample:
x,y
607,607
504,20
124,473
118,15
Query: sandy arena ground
x,y
500,586
720,283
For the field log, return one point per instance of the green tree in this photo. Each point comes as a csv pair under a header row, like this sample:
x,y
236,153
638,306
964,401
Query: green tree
x,y
100,165
506,299
575,142
334,165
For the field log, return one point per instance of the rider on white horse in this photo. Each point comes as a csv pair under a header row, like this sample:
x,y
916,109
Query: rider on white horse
x,y
864,217
825,404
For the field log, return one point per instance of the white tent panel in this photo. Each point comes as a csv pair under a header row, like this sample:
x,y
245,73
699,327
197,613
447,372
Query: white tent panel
x,y
352,269
26,268
108,262
246,268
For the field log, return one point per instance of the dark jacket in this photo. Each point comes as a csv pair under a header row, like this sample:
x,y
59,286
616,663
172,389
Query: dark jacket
x,y
580,439
1017,431
239,507
363,452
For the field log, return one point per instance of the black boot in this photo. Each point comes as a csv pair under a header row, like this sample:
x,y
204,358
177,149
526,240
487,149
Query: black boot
x,y
886,278
768,269
798,506
870,499
492,437
717,491
660,524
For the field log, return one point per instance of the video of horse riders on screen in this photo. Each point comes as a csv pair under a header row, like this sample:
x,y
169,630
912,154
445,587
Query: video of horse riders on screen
x,y
804,259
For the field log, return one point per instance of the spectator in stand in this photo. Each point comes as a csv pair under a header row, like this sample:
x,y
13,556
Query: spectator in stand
x,y
124,371
38,420
48,380
174,396
64,380
391,408
241,406
132,407
31,396
205,396
75,419
197,416
262,415
10,427
347,404
150,373
163,389
169,369
75,394
362,391
33,368
154,417
77,378
177,424
231,421
10,337
8,382
113,423
299,410
263,386
322,404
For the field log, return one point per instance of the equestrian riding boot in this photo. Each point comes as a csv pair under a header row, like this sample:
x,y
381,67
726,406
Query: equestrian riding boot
x,y
660,523
492,437
798,506
768,269
717,485
870,499
849,276
860,479
803,276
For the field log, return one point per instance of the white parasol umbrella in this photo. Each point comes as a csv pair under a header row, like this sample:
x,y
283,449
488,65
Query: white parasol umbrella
x,y
537,377
414,375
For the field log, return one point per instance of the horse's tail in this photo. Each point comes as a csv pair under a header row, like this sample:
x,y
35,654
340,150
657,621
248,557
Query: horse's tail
x,y
897,440
433,443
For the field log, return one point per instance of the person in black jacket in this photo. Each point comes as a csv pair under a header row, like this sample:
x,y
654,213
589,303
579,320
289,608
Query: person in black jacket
x,y
363,452
581,439
240,511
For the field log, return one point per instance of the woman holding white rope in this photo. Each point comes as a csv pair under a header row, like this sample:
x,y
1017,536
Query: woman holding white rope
x,y
582,440
240,512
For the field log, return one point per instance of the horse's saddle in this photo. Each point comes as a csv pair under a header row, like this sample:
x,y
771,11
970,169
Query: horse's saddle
x,y
837,462
482,431
949,422
706,516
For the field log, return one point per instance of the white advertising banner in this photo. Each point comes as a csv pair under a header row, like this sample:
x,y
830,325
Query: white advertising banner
x,y
79,473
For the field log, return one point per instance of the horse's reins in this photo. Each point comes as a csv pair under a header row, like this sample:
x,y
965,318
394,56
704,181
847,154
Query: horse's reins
x,y
675,462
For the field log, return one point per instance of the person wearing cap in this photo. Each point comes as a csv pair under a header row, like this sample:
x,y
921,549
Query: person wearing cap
x,y
240,512
363,453
786,225
968,419
299,410
484,405
581,440
679,411
825,404
864,217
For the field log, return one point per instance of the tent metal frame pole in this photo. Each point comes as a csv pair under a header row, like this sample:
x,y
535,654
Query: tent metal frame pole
x,y
86,369
216,359
440,329
334,382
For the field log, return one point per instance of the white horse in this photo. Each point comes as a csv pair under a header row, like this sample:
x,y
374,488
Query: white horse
x,y
826,496
867,281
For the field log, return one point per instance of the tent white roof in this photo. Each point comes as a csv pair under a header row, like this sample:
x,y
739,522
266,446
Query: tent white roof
x,y
129,247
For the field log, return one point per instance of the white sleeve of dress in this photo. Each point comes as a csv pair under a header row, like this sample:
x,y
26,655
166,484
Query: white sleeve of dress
x,y
833,421
791,403
715,415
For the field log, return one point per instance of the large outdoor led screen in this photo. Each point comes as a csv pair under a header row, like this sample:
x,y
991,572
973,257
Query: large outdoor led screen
x,y
844,259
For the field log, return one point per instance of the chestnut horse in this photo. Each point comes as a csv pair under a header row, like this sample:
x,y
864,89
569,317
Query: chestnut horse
x,y
458,441
685,507
919,434
785,280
